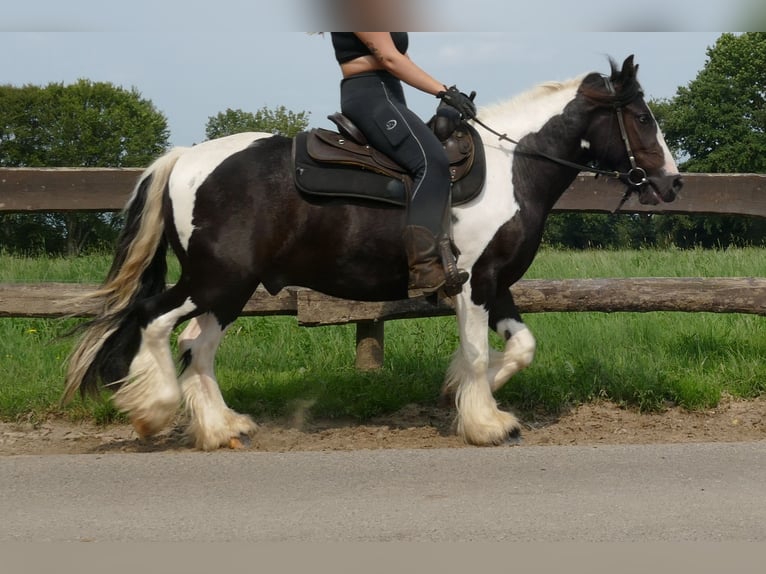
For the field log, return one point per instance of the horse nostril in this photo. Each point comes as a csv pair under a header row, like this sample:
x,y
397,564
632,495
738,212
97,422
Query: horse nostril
x,y
678,183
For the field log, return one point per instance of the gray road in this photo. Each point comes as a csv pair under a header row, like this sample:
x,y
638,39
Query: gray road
x,y
607,493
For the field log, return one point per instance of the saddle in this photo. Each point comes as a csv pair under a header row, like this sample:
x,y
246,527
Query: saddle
x,y
342,164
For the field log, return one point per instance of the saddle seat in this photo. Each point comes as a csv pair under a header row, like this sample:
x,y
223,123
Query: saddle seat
x,y
343,164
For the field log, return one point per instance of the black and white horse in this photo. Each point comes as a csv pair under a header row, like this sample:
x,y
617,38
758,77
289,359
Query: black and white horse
x,y
230,211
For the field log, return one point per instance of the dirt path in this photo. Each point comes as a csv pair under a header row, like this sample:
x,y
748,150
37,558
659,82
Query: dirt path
x,y
415,427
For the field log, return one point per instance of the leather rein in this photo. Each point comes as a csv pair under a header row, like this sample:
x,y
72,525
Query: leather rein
x,y
635,178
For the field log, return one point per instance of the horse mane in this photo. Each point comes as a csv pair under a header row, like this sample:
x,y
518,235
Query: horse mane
x,y
522,100
592,86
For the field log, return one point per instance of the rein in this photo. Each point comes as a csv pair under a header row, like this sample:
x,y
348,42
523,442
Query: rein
x,y
635,178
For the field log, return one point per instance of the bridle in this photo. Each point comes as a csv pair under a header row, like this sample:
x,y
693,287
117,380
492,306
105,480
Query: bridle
x,y
635,178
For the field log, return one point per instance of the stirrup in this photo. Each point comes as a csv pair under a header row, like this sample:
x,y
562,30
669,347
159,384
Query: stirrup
x,y
455,277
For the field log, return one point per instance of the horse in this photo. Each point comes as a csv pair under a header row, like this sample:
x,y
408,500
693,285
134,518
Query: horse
x,y
230,211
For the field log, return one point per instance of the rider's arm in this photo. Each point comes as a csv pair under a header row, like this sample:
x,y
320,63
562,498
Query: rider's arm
x,y
382,48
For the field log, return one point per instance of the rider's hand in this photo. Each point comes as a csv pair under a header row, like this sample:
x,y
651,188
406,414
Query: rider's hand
x,y
460,101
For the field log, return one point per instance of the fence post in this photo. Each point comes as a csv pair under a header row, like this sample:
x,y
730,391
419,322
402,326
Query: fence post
x,y
369,345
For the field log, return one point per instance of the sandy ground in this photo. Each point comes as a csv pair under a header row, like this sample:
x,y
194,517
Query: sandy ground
x,y
413,427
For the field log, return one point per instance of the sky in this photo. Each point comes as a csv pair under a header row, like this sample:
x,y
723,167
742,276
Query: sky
x,y
193,59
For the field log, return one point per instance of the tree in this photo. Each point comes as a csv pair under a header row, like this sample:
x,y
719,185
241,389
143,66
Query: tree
x,y
279,121
717,124
85,124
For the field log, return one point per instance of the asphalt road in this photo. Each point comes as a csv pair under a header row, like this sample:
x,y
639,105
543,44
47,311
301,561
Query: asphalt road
x,y
690,492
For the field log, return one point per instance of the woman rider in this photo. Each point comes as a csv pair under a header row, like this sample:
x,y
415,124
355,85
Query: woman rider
x,y
374,65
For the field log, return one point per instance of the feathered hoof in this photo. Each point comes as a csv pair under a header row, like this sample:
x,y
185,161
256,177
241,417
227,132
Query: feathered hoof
x,y
240,442
147,417
148,427
501,429
233,431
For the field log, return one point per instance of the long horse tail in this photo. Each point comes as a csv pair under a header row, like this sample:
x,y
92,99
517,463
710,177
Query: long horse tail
x,y
138,271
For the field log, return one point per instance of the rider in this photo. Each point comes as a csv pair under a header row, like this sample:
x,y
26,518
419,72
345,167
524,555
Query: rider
x,y
374,65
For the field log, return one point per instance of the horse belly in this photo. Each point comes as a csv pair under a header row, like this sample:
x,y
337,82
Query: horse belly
x,y
343,250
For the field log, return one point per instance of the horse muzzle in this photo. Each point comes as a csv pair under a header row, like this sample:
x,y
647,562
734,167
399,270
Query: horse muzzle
x,y
660,189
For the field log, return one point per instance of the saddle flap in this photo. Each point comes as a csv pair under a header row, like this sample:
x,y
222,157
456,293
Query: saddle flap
x,y
460,153
331,147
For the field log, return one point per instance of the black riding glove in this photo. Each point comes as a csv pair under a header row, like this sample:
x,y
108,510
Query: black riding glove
x,y
460,101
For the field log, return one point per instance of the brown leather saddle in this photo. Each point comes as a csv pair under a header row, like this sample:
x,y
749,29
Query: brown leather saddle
x,y
342,164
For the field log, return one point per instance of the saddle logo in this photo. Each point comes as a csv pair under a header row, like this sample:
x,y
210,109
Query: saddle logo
x,y
390,124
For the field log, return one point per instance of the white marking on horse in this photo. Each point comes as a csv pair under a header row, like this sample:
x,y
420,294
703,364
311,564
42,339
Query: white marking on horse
x,y
211,423
509,326
151,394
670,167
584,144
193,168
473,374
519,352
497,205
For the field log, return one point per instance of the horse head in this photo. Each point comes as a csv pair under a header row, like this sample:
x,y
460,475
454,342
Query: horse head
x,y
624,136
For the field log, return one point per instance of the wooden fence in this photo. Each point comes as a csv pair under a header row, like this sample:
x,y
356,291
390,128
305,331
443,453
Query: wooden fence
x,y
61,190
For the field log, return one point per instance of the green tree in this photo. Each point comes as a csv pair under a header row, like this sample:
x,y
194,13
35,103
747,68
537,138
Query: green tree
x,y
279,121
717,124
85,124
598,230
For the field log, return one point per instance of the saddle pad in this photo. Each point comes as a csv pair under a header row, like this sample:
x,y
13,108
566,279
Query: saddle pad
x,y
337,180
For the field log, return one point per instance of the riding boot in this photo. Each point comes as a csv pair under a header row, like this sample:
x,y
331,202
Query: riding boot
x,y
432,263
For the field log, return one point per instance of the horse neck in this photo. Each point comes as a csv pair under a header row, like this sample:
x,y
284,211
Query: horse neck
x,y
552,123
529,112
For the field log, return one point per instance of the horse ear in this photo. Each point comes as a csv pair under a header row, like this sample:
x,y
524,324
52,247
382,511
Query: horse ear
x,y
629,69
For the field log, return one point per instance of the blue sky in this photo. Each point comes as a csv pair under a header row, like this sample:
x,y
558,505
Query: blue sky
x,y
194,59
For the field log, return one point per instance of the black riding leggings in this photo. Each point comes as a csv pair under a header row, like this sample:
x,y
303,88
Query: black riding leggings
x,y
375,103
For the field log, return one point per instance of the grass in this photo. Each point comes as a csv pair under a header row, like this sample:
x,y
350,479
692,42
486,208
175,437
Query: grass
x,y
268,366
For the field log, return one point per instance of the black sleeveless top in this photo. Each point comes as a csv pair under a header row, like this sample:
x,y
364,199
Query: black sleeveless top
x,y
348,46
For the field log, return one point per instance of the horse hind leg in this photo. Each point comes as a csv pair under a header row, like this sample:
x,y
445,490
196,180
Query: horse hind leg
x,y
150,394
211,424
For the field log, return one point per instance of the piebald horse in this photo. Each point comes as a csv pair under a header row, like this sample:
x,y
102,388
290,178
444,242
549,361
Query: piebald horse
x,y
230,211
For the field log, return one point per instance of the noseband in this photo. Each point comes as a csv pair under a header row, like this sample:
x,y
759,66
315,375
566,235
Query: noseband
x,y
635,178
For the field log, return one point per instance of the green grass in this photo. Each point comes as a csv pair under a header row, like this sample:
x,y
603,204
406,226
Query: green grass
x,y
268,366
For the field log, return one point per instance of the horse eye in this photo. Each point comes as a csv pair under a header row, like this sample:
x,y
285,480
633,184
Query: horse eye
x,y
644,119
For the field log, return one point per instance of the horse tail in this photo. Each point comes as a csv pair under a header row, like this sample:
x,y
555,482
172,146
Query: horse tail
x,y
109,341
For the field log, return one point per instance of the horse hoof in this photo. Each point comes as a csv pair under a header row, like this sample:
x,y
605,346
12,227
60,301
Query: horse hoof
x,y
514,437
240,442
145,428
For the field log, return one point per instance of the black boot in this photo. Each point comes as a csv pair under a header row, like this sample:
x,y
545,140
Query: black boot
x,y
432,263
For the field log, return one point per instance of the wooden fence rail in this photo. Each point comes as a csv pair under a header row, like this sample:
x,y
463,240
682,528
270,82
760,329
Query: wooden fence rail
x,y
76,189
313,309
107,189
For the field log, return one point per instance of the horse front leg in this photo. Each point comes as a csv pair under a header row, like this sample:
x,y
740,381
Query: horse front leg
x,y
520,344
479,421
